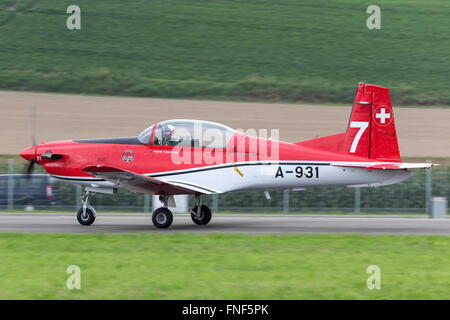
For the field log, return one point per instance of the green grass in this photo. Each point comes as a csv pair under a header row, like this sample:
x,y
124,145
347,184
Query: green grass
x,y
286,50
218,266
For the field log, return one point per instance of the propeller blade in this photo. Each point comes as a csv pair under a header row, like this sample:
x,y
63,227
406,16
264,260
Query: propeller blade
x,y
30,168
33,124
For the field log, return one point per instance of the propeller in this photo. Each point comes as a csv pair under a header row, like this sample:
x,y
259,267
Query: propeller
x,y
30,168
32,124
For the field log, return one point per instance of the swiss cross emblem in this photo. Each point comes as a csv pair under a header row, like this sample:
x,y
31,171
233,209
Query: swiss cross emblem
x,y
383,115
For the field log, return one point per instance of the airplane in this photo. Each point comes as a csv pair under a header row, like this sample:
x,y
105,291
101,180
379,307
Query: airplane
x,y
200,158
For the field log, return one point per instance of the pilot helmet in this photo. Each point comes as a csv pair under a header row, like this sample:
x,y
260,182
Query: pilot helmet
x,y
168,131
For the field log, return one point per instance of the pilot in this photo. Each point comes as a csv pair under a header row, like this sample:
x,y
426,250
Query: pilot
x,y
167,133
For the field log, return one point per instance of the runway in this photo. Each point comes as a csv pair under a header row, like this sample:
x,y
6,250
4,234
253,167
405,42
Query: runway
x,y
230,223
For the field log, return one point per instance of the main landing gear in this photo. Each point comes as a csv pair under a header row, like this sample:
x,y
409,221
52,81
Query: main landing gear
x,y
163,218
86,214
200,214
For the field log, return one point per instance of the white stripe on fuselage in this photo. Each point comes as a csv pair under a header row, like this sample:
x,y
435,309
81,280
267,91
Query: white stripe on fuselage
x,y
284,176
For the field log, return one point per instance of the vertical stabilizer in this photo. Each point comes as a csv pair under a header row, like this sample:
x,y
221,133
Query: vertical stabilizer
x,y
371,130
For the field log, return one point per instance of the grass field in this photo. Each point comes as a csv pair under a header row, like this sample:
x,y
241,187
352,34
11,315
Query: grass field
x,y
261,50
218,266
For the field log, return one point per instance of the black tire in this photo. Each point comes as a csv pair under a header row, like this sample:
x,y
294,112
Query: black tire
x,y
162,218
90,216
205,215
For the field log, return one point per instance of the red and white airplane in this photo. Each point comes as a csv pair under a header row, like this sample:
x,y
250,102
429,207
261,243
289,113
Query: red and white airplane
x,y
199,157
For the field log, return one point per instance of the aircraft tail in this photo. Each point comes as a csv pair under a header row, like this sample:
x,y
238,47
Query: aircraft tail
x,y
371,130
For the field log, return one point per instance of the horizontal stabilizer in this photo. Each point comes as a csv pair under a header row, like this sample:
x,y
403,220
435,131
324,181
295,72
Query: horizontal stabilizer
x,y
384,165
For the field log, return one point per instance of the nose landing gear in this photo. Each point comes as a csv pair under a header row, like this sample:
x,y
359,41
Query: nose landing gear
x,y
86,214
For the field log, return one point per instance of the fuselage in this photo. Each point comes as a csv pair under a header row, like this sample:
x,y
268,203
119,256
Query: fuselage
x,y
246,163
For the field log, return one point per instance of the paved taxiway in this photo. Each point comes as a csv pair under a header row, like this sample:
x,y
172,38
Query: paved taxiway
x,y
276,224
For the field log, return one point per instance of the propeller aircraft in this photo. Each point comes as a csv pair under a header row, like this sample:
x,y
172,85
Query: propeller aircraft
x,y
200,157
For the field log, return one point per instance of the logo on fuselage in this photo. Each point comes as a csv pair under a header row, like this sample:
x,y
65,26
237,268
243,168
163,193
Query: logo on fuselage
x,y
128,156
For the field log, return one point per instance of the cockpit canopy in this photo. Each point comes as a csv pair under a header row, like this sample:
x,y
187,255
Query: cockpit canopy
x,y
145,136
188,133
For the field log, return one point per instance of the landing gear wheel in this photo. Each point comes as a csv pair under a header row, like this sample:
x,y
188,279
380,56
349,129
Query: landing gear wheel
x,y
162,218
88,218
205,215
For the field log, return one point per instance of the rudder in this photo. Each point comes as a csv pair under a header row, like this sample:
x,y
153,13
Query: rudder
x,y
371,130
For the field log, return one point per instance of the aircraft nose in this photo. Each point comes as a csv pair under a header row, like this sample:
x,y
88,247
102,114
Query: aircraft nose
x,y
29,154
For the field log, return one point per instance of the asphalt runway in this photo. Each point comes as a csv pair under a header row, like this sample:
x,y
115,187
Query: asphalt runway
x,y
251,224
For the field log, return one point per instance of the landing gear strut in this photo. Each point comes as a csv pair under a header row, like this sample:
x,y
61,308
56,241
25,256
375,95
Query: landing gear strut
x,y
162,217
86,214
200,214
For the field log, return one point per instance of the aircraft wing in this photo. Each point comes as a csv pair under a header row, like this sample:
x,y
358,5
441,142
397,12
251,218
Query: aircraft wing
x,y
142,184
384,165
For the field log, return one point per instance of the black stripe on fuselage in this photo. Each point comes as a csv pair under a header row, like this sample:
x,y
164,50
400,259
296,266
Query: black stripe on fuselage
x,y
128,140
238,165
79,179
192,185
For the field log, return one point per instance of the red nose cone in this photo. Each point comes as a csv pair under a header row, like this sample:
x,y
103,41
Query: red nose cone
x,y
29,154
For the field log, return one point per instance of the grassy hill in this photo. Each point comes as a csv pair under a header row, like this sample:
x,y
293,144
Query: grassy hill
x,y
286,50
